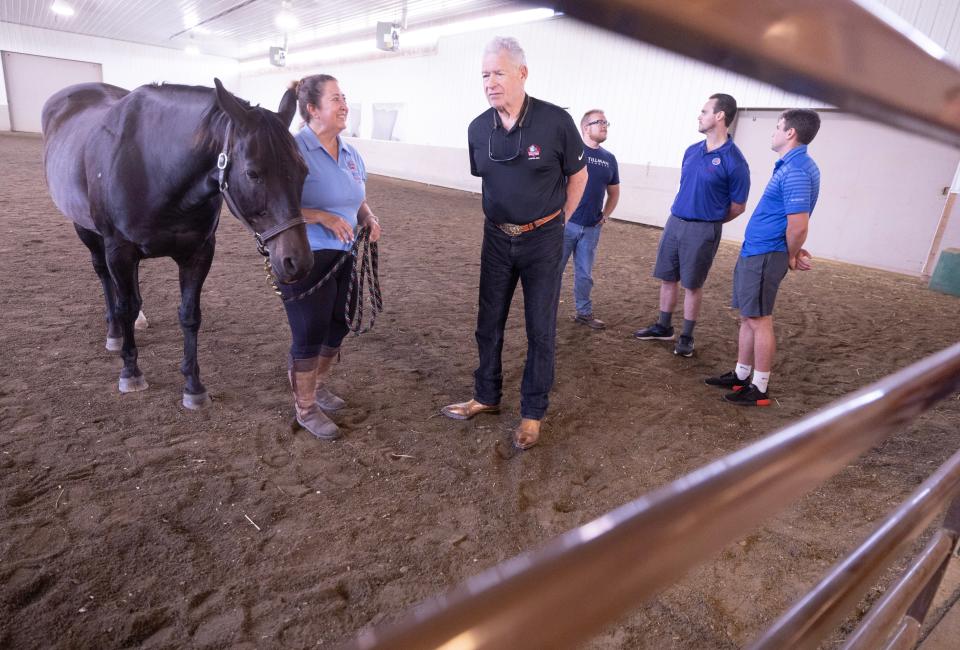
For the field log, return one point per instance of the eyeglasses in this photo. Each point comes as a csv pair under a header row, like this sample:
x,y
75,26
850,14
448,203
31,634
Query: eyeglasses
x,y
600,122
505,138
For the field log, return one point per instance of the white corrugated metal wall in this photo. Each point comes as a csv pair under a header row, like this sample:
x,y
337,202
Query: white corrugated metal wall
x,y
938,19
652,96
124,64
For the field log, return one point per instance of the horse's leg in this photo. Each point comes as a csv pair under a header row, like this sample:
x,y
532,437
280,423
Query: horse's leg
x,y
94,242
193,272
122,260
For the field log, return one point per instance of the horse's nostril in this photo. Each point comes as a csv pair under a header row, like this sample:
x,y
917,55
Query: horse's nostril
x,y
289,266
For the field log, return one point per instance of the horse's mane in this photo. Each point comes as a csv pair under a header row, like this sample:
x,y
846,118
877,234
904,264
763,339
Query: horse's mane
x,y
281,146
213,125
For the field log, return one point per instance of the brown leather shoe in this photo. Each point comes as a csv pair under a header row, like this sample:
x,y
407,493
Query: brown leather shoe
x,y
589,321
527,434
466,410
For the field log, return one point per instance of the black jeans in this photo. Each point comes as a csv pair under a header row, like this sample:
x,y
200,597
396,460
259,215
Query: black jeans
x,y
318,322
533,259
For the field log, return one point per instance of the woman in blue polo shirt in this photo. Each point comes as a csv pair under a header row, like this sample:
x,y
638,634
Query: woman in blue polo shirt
x,y
333,204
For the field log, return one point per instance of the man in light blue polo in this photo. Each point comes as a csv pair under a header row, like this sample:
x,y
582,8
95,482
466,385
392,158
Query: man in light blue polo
x,y
773,243
714,183
582,232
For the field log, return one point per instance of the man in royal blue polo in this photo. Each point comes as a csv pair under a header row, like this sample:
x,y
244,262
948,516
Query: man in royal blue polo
x,y
773,243
530,156
582,232
714,183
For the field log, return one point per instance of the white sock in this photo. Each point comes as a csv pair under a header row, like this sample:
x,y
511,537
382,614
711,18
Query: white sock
x,y
743,371
761,380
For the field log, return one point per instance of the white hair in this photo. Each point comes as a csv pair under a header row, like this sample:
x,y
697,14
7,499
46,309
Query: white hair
x,y
509,45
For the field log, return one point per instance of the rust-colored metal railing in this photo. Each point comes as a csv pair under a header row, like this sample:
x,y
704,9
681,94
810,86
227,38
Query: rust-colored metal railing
x,y
562,593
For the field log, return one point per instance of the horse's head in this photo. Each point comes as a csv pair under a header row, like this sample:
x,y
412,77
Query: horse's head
x,y
263,178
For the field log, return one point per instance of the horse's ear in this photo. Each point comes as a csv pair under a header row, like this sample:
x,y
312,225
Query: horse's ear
x,y
288,106
229,104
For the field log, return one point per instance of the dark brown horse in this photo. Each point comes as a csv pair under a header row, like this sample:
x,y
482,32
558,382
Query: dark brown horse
x,y
144,173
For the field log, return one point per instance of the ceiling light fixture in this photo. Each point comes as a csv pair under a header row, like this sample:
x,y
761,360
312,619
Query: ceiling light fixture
x,y
61,8
430,35
415,38
286,20
192,50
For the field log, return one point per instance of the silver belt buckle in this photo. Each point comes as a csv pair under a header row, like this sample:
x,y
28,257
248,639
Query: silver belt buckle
x,y
511,229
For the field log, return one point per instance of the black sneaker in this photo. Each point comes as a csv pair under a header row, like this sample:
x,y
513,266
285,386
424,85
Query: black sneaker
x,y
655,332
728,380
749,396
684,347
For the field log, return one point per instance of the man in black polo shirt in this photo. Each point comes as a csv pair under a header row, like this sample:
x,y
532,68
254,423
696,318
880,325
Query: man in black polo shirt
x,y
530,156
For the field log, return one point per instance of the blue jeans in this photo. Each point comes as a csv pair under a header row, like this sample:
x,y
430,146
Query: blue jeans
x,y
532,258
582,242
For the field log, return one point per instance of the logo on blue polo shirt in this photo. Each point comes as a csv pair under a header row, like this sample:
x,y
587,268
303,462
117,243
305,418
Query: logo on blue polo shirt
x,y
716,162
354,172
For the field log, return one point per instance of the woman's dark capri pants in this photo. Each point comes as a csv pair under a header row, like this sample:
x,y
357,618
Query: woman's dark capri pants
x,y
318,322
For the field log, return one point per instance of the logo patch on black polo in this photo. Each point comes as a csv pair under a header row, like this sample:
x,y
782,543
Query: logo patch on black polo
x,y
533,152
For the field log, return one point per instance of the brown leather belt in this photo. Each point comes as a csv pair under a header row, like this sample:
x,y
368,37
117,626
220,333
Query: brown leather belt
x,y
514,230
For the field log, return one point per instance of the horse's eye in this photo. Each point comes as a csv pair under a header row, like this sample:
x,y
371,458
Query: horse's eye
x,y
252,175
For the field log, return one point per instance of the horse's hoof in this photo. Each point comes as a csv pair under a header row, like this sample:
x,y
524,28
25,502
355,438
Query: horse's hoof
x,y
133,384
196,402
114,344
141,323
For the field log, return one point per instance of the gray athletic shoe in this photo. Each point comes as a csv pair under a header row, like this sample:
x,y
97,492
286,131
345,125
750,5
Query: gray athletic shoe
x,y
684,347
655,332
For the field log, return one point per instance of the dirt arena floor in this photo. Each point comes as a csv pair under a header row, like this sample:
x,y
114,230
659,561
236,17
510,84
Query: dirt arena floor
x,y
127,521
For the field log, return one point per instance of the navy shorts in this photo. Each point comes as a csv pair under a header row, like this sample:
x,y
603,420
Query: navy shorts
x,y
686,251
756,280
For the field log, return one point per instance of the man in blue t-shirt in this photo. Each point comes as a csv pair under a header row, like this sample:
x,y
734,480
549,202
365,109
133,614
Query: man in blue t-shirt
x,y
772,244
582,232
714,183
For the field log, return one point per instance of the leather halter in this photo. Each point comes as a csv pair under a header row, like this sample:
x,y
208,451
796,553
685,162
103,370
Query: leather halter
x,y
223,165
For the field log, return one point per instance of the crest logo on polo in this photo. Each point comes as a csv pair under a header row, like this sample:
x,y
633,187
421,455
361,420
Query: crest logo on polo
x,y
533,152
716,162
354,172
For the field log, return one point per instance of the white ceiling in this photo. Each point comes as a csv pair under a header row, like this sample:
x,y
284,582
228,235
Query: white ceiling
x,y
240,29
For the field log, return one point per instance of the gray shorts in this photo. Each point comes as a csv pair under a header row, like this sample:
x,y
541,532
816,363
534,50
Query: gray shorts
x,y
686,251
756,280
